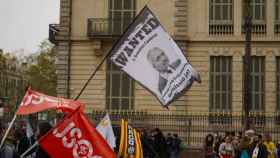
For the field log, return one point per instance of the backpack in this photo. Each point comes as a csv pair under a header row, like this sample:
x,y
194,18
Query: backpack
x,y
244,154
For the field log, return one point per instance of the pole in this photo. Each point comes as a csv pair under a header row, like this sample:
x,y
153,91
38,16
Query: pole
x,y
247,67
94,72
77,97
8,130
29,149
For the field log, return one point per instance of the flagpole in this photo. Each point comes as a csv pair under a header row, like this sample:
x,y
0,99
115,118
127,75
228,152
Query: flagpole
x,y
8,130
29,149
90,78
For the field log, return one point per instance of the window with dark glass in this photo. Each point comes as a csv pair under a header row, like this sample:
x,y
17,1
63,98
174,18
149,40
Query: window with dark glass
x,y
220,83
258,12
277,16
221,17
119,88
121,13
257,79
278,83
220,100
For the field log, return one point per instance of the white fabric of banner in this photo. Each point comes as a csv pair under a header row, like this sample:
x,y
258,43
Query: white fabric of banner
x,y
149,55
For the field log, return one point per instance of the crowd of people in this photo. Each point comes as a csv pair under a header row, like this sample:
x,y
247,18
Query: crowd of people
x,y
247,145
18,141
156,145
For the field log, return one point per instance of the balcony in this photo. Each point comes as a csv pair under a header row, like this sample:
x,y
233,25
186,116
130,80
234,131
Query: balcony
x,y
106,28
221,28
53,31
277,27
258,27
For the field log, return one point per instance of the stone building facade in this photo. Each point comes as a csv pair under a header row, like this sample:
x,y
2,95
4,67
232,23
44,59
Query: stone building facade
x,y
211,33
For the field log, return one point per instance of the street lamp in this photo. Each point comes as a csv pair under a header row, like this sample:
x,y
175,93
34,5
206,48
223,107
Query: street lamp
x,y
247,66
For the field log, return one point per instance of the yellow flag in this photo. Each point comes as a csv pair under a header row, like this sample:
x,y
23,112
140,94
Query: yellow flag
x,y
130,142
122,138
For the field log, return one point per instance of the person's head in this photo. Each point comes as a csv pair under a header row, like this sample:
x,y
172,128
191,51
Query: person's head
x,y
245,141
260,138
43,128
209,139
228,139
158,132
158,59
175,135
19,133
168,134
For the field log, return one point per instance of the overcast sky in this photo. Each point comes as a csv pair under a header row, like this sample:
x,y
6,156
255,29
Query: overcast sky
x,y
24,23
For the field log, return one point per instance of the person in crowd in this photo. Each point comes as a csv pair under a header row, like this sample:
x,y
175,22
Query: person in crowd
x,y
169,141
23,143
278,149
226,149
217,142
208,146
236,146
8,149
175,146
42,129
160,144
258,149
147,145
270,146
244,148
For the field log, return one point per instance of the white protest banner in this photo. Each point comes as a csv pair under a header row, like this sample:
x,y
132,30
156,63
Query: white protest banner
x,y
149,55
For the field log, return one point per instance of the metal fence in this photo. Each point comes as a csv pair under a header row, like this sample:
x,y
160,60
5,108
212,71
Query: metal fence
x,y
193,128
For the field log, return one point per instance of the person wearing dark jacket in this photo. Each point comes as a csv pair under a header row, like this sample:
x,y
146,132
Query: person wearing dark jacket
x,y
8,149
169,142
147,145
43,128
208,146
160,144
258,149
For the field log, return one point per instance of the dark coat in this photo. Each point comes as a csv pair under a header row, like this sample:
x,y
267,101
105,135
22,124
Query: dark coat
x,y
262,151
160,146
148,147
41,153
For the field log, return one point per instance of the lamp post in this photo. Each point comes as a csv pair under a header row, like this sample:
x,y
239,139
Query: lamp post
x,y
247,66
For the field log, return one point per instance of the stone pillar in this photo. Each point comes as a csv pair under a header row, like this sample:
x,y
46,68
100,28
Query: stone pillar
x,y
63,48
180,22
270,14
237,17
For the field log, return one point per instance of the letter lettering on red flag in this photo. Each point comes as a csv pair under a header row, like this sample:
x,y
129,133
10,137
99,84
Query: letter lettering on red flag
x,y
34,102
75,137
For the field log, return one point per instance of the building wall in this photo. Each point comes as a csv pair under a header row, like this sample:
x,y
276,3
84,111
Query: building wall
x,y
187,22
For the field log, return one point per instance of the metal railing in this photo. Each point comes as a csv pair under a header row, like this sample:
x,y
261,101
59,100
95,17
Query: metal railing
x,y
258,27
53,31
216,28
100,27
193,128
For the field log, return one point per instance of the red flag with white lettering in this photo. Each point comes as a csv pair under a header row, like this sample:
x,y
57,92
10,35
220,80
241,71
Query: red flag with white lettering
x,y
34,102
75,137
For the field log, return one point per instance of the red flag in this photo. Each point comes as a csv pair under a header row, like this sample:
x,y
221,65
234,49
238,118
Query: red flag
x,y
75,137
34,102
